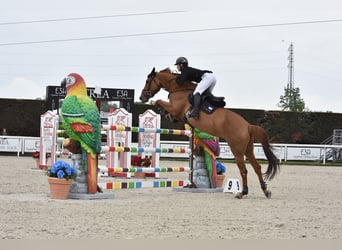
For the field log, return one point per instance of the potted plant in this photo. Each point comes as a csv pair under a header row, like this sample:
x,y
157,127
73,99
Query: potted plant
x,y
138,161
60,177
220,170
36,155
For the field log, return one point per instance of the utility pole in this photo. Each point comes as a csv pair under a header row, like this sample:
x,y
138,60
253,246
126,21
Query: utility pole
x,y
291,99
290,80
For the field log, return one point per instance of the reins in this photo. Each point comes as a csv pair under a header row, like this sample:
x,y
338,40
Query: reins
x,y
167,82
178,89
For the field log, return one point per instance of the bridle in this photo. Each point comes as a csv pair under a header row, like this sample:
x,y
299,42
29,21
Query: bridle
x,y
152,78
147,91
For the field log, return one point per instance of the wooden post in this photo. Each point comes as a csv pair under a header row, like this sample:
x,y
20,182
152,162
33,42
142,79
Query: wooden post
x,y
192,158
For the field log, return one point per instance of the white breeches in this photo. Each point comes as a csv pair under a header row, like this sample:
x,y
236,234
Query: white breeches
x,y
208,82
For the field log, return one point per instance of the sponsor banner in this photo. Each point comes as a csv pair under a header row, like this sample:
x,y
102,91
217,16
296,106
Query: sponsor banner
x,y
31,144
10,144
225,152
305,154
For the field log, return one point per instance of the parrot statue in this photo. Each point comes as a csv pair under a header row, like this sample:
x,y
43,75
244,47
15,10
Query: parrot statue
x,y
81,120
211,150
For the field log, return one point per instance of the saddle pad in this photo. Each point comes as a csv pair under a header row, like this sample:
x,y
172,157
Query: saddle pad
x,y
207,107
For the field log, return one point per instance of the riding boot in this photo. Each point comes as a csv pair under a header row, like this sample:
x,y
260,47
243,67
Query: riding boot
x,y
195,111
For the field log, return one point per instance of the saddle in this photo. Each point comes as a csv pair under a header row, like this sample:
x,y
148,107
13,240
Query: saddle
x,y
209,102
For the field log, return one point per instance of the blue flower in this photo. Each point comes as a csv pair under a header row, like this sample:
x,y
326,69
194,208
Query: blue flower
x,y
68,171
220,168
73,170
60,174
62,170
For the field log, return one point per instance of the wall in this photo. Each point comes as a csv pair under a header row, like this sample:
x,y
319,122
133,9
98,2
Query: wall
x,y
22,118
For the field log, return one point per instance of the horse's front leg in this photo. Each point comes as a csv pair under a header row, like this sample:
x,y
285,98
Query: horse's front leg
x,y
165,109
166,106
171,112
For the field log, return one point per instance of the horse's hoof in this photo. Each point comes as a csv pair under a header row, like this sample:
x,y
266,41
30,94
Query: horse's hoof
x,y
238,196
268,194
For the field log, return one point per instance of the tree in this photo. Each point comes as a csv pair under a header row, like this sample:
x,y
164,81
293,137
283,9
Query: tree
x,y
291,100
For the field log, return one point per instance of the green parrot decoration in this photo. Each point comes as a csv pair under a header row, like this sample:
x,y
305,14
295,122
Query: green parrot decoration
x,y
81,120
211,150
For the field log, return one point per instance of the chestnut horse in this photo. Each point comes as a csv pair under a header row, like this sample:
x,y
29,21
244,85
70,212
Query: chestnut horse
x,y
223,123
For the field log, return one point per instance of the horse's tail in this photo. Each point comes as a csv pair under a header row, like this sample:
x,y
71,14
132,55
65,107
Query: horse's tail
x,y
259,135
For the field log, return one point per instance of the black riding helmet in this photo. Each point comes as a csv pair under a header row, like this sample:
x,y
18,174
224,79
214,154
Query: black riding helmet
x,y
182,60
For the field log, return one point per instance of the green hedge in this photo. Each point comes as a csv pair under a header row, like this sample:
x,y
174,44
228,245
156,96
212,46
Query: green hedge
x,y
22,118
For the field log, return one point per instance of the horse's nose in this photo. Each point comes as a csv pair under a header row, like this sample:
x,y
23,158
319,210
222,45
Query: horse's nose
x,y
142,99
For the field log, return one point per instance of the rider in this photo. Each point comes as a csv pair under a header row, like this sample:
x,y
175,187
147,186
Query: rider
x,y
205,79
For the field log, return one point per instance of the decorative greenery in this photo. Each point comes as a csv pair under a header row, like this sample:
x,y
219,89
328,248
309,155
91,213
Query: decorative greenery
x,y
141,162
62,170
220,168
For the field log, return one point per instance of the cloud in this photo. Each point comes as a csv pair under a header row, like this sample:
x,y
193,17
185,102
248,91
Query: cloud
x,y
22,88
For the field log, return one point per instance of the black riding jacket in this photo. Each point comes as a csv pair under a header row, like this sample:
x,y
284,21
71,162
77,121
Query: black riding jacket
x,y
191,74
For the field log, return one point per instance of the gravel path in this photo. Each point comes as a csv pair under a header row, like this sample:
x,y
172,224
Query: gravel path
x,y
306,203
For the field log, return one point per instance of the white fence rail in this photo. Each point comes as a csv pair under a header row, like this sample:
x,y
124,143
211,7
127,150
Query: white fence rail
x,y
19,144
284,152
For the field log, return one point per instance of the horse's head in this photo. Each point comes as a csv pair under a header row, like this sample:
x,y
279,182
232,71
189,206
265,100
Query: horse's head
x,y
152,86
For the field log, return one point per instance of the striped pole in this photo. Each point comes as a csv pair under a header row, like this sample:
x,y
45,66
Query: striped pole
x,y
143,184
121,128
146,150
146,170
147,130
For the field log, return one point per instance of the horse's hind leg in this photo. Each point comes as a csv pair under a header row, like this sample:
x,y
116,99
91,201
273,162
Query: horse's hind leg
x,y
243,172
257,168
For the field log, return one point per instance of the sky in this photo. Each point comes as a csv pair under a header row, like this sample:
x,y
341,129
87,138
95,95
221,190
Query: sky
x,y
115,44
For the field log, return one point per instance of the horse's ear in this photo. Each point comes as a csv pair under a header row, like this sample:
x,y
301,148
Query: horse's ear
x,y
153,72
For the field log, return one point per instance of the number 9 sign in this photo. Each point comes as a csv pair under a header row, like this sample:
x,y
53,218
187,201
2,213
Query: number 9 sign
x,y
232,186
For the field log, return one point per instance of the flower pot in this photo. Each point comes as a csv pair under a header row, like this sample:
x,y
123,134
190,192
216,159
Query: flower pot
x,y
139,175
37,162
220,180
59,188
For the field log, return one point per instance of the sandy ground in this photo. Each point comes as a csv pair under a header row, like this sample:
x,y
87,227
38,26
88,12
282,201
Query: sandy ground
x,y
306,203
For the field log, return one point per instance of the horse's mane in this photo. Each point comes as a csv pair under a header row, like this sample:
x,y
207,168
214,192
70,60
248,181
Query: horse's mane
x,y
168,70
188,85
